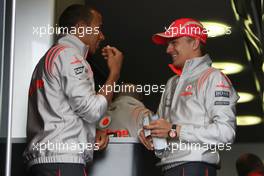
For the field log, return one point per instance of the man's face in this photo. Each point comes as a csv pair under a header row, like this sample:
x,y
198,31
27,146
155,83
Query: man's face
x,y
93,40
180,50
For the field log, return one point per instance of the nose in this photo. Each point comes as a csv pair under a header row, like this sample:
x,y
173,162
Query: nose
x,y
102,37
169,49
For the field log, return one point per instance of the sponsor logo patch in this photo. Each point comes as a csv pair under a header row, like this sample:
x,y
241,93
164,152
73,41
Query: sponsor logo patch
x,y
117,133
105,122
222,85
188,88
222,94
76,61
78,70
187,92
221,103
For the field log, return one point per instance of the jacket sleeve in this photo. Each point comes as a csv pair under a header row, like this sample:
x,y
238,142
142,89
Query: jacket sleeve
x,y
219,99
78,86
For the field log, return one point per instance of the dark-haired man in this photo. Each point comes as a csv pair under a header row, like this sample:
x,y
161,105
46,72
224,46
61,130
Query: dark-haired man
x,y
197,108
249,164
63,107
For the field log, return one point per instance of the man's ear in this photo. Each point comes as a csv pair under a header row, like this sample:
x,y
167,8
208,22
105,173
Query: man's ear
x,y
80,24
80,28
196,44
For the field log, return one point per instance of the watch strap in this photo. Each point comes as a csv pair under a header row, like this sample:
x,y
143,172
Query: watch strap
x,y
174,126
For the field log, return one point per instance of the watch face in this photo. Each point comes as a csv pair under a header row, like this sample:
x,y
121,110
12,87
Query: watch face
x,y
172,134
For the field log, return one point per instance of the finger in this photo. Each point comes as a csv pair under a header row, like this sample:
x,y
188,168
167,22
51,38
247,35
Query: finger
x,y
100,144
156,132
144,142
151,127
106,47
97,139
104,53
154,122
150,139
106,141
115,50
159,133
150,142
105,56
108,51
142,137
101,138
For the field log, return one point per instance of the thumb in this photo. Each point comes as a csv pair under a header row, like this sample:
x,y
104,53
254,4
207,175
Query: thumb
x,y
108,50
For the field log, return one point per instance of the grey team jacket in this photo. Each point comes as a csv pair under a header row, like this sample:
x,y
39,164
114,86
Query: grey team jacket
x,y
202,100
63,107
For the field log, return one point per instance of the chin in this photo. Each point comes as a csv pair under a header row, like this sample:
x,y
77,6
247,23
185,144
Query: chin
x,y
92,51
175,64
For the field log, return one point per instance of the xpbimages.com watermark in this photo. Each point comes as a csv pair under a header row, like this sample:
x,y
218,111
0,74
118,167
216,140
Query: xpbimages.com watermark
x,y
213,148
79,147
57,30
191,30
146,89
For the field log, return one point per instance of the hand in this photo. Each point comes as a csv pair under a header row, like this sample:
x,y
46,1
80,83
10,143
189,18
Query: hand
x,y
147,142
102,139
159,128
114,59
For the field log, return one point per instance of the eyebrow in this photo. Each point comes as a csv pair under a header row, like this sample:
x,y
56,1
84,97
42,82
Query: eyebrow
x,y
173,40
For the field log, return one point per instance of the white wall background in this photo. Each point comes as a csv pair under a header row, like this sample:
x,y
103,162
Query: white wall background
x,y
29,48
1,61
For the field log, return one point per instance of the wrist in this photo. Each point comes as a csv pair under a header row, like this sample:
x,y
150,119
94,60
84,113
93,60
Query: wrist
x,y
173,132
178,130
114,75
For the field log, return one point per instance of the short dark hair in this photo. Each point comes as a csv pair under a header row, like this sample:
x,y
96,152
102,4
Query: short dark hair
x,y
247,163
202,46
75,13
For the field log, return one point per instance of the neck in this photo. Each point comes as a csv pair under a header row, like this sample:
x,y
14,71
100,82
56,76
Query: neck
x,y
195,54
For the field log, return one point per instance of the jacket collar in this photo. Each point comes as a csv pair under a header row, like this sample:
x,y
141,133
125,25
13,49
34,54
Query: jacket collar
x,y
76,43
192,65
